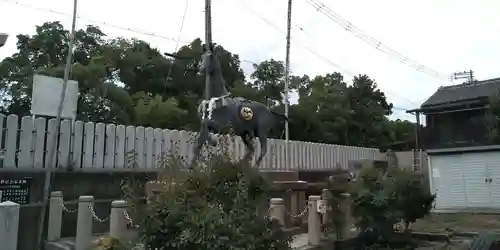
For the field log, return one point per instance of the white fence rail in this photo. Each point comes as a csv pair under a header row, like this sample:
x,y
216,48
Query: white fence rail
x,y
97,146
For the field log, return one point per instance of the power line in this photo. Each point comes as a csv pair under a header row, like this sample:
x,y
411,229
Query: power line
x,y
256,13
352,75
151,34
177,44
102,23
345,71
322,8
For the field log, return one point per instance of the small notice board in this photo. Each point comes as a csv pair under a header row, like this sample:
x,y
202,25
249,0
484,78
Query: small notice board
x,y
15,190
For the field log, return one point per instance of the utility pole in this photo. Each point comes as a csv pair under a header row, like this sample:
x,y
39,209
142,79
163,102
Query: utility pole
x,y
208,46
469,75
287,76
52,150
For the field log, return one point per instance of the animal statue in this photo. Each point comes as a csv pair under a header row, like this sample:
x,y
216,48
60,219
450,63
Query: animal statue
x,y
248,119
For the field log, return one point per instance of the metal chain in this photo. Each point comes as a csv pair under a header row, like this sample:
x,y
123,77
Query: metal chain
x,y
65,209
300,214
91,208
129,219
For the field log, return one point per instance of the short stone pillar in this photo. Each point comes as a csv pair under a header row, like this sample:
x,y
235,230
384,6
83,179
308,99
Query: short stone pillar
x,y
301,195
153,188
9,225
294,203
345,207
55,216
314,222
325,195
277,210
84,223
117,220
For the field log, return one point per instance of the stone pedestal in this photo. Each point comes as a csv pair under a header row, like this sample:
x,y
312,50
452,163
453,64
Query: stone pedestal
x,y
9,225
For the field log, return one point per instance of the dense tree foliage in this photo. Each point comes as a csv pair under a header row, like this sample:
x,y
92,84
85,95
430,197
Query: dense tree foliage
x,y
127,81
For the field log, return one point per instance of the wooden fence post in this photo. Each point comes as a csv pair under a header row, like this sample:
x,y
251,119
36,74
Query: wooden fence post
x,y
9,225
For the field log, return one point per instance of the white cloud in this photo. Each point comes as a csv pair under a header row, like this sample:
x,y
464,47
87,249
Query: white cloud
x,y
445,35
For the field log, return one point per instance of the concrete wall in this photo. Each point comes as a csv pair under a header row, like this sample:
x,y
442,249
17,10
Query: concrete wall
x,y
405,161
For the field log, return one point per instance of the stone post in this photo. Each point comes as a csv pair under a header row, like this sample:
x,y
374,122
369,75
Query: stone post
x,y
84,223
325,194
349,221
302,204
314,222
117,220
55,216
294,205
277,210
9,225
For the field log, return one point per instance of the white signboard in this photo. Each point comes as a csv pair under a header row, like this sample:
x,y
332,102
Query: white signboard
x,y
321,206
46,97
435,172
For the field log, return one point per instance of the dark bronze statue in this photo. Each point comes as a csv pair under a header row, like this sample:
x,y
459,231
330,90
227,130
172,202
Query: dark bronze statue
x,y
248,119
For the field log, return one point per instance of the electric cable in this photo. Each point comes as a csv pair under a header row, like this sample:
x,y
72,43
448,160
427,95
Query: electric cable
x,y
350,27
102,23
169,74
343,70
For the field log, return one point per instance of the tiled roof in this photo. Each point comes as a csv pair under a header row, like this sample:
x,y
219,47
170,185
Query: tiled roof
x,y
463,92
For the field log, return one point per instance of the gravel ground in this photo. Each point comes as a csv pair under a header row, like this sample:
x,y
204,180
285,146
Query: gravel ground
x,y
459,222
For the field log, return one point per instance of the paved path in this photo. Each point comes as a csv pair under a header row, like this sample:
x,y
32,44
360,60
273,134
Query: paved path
x,y
299,242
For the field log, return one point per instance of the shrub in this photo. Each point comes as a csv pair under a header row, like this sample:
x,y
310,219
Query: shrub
x,y
380,200
211,208
414,201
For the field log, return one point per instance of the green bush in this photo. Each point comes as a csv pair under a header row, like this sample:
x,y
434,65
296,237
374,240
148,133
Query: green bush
x,y
380,200
414,201
214,207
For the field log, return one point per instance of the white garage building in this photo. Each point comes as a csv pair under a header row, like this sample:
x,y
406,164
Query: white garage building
x,y
465,180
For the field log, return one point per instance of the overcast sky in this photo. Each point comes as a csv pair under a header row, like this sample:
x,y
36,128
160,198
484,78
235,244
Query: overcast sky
x,y
444,35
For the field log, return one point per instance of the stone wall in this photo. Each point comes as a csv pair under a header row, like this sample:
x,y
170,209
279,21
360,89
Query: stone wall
x,y
105,187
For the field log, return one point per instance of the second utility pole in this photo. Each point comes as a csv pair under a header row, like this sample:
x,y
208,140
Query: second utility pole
x,y
287,77
208,46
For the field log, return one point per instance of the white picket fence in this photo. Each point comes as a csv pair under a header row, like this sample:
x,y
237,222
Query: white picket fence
x,y
97,146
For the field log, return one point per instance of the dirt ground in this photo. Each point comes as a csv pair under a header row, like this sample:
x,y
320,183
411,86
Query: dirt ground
x,y
459,222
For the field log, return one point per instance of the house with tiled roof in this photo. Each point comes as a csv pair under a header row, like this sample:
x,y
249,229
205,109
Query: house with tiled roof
x,y
463,161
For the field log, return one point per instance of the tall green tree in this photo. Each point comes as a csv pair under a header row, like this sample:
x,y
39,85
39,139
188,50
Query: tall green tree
x,y
128,81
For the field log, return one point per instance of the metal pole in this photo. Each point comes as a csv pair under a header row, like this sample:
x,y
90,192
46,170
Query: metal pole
x,y
208,46
287,77
52,149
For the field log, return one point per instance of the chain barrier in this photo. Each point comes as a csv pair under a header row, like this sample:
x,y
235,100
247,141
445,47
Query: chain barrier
x,y
65,209
297,216
129,220
94,215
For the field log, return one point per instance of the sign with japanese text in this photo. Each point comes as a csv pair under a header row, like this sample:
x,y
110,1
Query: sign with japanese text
x,y
15,190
